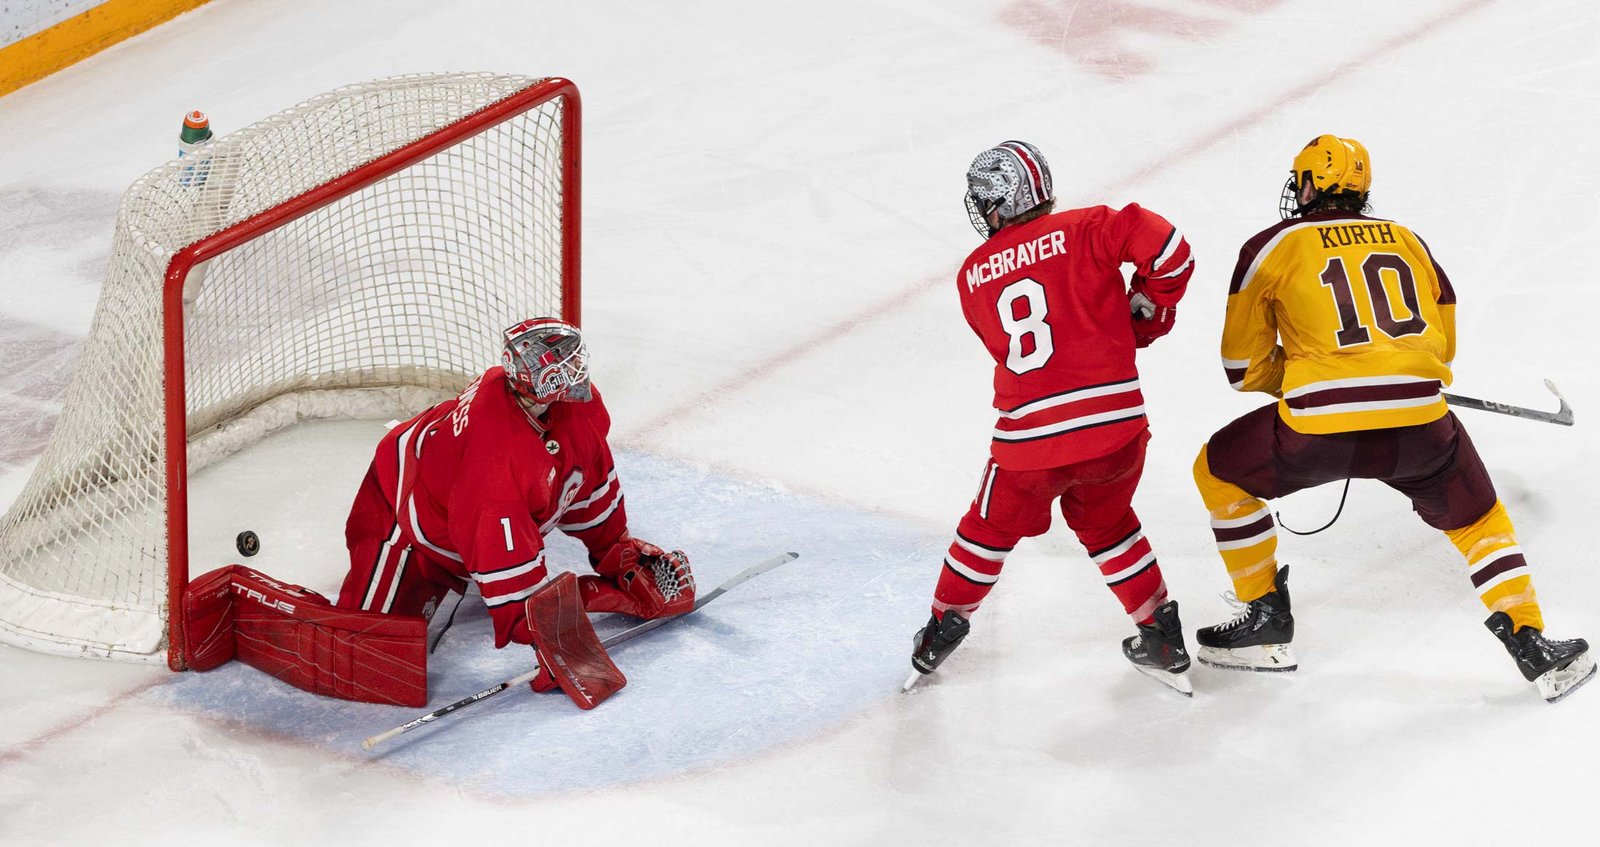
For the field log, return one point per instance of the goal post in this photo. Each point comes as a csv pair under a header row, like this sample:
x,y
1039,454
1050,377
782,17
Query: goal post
x,y
353,256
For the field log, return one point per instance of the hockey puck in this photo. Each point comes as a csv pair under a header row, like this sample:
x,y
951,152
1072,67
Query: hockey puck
x,y
248,543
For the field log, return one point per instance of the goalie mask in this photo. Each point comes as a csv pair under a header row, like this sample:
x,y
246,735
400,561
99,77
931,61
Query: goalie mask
x,y
546,361
1008,179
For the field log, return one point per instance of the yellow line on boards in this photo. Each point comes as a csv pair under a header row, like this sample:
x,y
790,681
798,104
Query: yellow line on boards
x,y
81,36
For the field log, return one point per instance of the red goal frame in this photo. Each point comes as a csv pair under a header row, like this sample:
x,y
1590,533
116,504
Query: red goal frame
x,y
176,417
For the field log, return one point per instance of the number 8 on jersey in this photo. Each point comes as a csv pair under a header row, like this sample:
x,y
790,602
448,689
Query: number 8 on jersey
x,y
1031,345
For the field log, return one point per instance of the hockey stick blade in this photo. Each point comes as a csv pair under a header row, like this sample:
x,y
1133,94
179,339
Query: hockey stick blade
x,y
1562,416
626,635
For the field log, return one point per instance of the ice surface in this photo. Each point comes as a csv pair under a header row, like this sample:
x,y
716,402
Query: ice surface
x,y
772,199
779,659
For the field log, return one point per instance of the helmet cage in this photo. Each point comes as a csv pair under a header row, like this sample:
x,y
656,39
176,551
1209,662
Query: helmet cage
x,y
546,361
978,212
1289,202
1008,180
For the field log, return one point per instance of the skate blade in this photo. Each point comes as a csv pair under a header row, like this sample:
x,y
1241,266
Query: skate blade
x,y
1264,658
911,681
1555,685
1178,682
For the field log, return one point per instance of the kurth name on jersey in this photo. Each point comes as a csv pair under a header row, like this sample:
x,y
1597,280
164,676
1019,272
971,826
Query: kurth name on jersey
x,y
1013,258
1348,234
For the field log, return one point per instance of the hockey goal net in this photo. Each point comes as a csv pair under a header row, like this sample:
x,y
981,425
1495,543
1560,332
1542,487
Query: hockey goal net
x,y
355,255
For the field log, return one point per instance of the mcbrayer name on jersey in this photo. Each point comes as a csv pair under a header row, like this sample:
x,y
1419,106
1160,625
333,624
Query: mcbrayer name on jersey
x,y
1348,234
1014,258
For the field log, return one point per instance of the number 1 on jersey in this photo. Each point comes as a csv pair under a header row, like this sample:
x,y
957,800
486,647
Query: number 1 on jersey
x,y
1029,326
505,524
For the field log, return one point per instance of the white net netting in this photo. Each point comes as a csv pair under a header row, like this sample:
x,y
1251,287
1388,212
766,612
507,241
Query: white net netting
x,y
379,303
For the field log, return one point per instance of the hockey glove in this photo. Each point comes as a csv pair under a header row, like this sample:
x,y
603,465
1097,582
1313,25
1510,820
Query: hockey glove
x,y
1150,321
640,579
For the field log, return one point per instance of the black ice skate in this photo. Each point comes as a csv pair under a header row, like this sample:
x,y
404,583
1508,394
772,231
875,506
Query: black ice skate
x,y
1557,667
1257,639
933,643
1158,651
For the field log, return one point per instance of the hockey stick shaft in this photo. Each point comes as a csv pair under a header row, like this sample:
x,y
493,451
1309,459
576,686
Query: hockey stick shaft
x,y
1562,416
610,641
737,579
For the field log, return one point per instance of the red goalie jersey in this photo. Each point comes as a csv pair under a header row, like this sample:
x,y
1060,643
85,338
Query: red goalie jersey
x,y
467,490
1048,300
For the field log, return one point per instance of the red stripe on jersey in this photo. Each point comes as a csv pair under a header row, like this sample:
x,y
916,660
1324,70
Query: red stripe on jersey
x,y
594,510
509,585
1180,260
1071,411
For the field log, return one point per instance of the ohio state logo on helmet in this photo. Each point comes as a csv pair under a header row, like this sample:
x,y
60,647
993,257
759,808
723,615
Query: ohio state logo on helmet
x,y
1007,179
546,361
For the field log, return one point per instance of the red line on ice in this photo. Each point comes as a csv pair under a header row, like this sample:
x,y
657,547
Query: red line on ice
x,y
765,368
24,748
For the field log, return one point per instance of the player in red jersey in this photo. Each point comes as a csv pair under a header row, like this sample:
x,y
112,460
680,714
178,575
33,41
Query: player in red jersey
x,y
467,490
1046,296
464,492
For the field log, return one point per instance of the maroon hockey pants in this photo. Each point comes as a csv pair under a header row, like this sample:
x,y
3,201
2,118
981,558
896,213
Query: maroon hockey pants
x,y
1432,464
1095,497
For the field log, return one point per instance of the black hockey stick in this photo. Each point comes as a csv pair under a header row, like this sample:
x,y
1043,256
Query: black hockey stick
x,y
448,622
1562,416
608,642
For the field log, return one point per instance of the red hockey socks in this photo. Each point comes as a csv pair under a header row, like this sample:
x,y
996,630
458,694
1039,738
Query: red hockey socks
x,y
971,567
1125,558
1129,568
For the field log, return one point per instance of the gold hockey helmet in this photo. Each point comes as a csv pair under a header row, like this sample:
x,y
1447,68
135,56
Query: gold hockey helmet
x,y
1332,164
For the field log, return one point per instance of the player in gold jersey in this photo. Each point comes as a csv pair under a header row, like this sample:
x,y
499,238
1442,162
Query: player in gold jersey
x,y
1350,323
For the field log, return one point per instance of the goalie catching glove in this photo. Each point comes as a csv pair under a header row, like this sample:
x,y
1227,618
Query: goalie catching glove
x,y
640,579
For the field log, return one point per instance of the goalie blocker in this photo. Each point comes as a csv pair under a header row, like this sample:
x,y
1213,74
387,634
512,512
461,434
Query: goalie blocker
x,y
296,635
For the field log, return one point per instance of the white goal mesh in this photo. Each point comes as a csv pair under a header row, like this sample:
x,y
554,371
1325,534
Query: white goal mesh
x,y
358,255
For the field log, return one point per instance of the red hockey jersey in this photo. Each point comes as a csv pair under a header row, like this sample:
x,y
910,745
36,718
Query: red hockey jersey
x,y
477,482
1048,300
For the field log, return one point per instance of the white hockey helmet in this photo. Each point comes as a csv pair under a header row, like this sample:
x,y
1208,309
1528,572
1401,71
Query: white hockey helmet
x,y
1008,179
546,361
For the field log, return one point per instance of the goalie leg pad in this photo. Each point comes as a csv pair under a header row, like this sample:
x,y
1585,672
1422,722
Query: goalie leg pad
x,y
295,635
208,615
568,649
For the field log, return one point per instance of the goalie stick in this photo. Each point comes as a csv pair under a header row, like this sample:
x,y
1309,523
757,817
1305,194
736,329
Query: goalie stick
x,y
608,642
1562,416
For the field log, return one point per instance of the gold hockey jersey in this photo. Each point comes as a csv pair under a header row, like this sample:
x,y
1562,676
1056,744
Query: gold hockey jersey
x,y
1346,319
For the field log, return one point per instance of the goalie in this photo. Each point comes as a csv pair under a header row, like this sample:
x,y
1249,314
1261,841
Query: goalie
x,y
463,492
